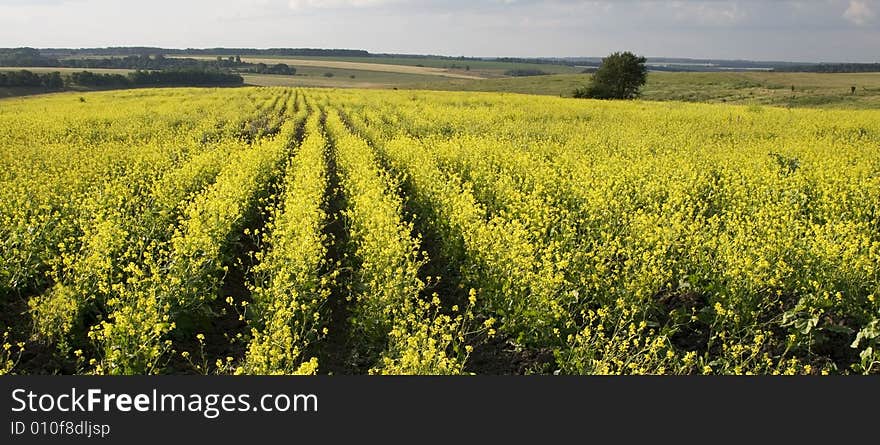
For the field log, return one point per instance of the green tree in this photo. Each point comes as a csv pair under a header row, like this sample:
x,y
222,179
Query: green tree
x,y
53,81
620,76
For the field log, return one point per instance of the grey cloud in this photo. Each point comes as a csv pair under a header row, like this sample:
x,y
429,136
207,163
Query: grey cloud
x,y
844,30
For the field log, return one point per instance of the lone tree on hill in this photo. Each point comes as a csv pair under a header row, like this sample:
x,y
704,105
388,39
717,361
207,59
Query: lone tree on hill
x,y
620,76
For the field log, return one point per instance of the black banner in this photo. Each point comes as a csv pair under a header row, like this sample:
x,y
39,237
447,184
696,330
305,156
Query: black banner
x,y
179,409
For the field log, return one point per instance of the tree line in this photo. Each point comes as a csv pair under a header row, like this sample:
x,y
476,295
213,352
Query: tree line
x,y
56,81
23,78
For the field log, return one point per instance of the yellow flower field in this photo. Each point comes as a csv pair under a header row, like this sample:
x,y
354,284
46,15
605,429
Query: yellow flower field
x,y
282,231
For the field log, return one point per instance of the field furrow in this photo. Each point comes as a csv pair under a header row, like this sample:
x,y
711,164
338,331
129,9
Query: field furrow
x,y
188,271
399,329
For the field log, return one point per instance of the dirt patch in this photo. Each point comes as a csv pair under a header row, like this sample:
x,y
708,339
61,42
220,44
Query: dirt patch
x,y
500,356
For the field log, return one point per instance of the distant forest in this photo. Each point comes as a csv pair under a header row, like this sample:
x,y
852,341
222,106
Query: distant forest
x,y
29,57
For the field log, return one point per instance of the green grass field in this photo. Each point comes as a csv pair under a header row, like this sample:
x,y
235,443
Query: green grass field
x,y
810,89
19,91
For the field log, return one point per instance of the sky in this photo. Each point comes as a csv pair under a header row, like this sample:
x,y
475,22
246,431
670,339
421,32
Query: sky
x,y
817,30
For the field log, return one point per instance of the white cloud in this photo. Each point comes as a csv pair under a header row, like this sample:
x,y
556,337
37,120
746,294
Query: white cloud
x,y
859,12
